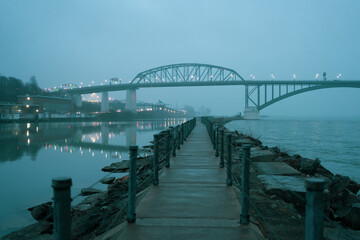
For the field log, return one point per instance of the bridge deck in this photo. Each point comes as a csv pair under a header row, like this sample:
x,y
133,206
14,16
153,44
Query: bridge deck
x,y
192,200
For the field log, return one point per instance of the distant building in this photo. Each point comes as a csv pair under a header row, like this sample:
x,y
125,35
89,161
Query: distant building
x,y
9,111
46,104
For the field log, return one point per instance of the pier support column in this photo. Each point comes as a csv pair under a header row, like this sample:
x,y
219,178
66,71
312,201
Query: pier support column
x,y
104,101
130,100
251,113
76,102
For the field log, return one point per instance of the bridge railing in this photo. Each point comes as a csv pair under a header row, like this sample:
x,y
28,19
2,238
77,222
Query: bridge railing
x,y
222,141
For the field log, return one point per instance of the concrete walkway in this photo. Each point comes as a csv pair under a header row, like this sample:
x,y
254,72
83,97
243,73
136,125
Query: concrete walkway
x,y
192,200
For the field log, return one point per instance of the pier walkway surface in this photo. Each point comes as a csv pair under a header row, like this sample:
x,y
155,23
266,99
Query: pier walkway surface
x,y
191,201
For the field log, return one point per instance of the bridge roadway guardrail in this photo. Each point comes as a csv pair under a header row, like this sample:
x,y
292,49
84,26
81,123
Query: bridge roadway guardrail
x,y
314,200
165,145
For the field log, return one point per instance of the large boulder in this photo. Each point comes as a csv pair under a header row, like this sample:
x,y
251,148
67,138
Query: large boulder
x,y
108,180
42,211
338,185
352,218
89,191
309,166
259,155
122,166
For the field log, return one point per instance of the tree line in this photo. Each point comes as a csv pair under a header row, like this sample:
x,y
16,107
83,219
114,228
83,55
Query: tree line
x,y
11,87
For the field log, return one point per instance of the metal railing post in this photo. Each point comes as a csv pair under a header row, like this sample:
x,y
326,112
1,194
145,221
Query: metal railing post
x,y
184,130
182,134
62,211
314,215
214,135
222,149
229,162
173,130
245,171
131,215
216,141
156,160
168,150
178,133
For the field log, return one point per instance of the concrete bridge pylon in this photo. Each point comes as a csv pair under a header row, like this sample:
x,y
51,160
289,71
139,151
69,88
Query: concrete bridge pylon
x,y
105,102
130,100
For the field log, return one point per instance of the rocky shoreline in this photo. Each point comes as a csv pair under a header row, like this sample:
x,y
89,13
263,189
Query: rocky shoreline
x,y
278,193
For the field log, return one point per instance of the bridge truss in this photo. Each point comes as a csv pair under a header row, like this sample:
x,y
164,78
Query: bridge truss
x,y
186,72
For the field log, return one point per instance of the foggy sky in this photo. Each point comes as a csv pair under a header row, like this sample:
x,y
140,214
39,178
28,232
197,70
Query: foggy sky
x,y
83,41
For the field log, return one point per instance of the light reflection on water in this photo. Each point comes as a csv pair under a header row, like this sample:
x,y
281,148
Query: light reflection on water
x,y
335,141
33,154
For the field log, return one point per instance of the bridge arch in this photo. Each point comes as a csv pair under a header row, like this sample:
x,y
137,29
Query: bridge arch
x,y
303,90
186,72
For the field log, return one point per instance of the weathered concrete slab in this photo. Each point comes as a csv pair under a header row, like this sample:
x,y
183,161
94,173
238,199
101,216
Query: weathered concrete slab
x,y
275,168
258,155
242,141
283,183
188,222
194,176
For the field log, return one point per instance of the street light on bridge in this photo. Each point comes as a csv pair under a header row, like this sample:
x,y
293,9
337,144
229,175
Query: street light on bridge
x,y
294,76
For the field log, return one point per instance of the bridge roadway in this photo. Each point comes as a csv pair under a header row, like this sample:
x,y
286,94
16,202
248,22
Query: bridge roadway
x,y
127,86
191,201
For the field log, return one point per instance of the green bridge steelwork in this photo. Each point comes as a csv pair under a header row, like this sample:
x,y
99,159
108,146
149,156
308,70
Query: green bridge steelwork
x,y
259,94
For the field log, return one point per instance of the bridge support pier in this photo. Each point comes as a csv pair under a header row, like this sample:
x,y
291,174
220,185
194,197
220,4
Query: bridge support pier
x,y
105,101
76,101
131,100
251,113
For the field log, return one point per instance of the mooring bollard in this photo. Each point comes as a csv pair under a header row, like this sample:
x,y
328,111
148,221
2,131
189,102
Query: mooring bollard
x,y
314,215
222,150
245,171
229,162
156,160
216,141
131,215
167,147
62,211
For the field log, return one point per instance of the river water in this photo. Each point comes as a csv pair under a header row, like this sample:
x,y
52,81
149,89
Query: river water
x,y
32,154
335,141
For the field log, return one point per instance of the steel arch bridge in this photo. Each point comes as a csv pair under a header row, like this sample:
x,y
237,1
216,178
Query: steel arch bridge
x,y
186,72
259,94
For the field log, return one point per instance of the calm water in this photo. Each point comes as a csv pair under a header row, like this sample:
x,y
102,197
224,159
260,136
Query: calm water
x,y
32,154
335,141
